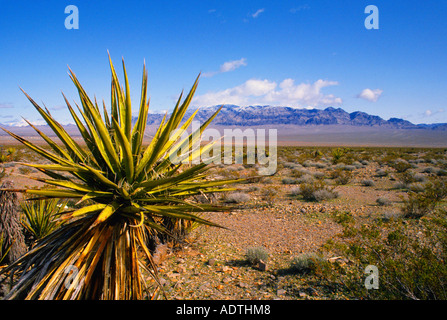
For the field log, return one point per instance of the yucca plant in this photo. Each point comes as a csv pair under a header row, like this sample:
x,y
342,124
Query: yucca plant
x,y
133,191
40,217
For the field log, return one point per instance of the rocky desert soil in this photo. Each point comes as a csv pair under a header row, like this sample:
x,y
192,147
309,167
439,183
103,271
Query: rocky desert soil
x,y
212,262
214,265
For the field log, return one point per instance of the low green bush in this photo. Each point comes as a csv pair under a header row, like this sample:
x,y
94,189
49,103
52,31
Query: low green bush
x,y
418,204
409,255
341,176
307,263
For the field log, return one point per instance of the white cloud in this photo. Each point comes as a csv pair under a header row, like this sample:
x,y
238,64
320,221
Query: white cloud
x,y
370,95
257,13
266,92
233,65
227,67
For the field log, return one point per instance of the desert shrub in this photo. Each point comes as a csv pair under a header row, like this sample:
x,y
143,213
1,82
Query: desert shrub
x,y
294,192
409,177
367,183
337,155
432,161
308,163
315,191
442,173
418,177
381,173
391,215
289,181
319,175
417,205
401,166
341,176
324,194
357,164
291,165
296,173
307,263
383,201
364,162
304,172
419,161
256,254
416,187
400,185
307,178
236,197
430,170
343,217
436,189
410,258
269,192
320,165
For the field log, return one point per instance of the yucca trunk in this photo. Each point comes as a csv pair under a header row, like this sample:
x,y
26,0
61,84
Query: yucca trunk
x,y
11,231
102,263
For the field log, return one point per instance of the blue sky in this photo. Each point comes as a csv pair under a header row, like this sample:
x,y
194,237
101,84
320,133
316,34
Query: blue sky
x,y
296,53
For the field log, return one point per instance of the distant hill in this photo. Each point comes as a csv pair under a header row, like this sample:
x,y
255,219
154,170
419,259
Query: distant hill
x,y
232,115
330,126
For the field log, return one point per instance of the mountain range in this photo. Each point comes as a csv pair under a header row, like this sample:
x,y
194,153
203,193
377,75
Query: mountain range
x,y
330,126
232,115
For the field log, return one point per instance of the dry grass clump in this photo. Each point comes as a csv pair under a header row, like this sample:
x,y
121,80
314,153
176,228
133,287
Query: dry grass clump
x,y
367,183
341,177
307,263
255,255
419,204
236,197
383,201
314,191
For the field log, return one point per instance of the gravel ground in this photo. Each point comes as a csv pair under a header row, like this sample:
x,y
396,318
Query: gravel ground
x,y
214,266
